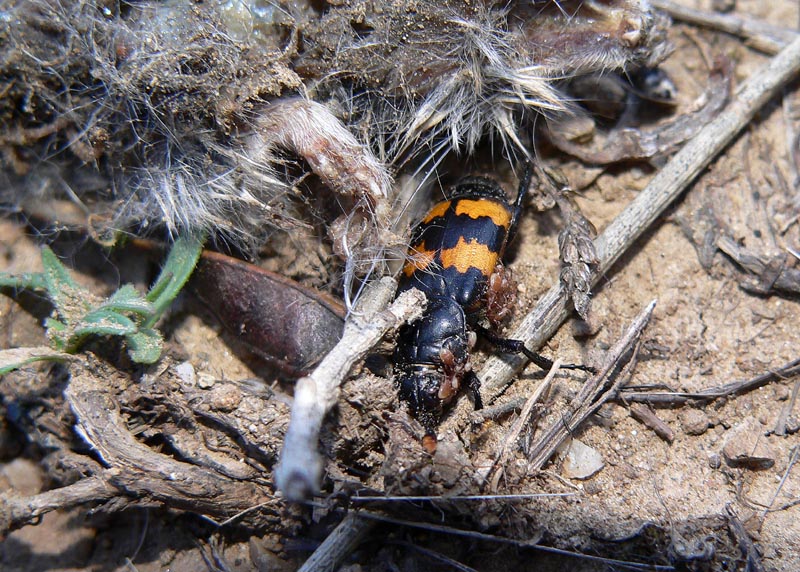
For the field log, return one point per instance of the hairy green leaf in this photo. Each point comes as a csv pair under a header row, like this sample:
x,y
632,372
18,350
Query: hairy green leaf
x,y
176,271
145,346
26,281
20,357
104,322
68,297
128,299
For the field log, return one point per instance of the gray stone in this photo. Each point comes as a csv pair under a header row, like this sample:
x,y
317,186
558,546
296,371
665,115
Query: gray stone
x,y
746,446
581,461
694,421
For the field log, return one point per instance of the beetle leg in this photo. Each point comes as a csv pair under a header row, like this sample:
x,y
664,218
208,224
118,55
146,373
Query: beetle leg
x,y
452,375
509,346
473,383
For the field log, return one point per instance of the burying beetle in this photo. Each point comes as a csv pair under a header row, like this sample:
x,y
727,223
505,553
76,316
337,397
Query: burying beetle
x,y
455,259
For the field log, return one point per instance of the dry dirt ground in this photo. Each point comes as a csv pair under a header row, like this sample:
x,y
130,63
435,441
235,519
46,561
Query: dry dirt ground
x,y
657,502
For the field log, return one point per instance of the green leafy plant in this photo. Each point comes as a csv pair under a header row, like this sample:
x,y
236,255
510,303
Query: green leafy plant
x,y
79,314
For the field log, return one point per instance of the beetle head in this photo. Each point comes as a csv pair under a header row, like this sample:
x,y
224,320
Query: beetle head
x,y
420,387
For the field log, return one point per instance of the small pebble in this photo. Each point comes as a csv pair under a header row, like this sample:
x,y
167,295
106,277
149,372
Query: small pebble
x,y
694,421
185,371
746,446
581,461
225,397
586,329
450,460
781,392
592,487
629,471
205,380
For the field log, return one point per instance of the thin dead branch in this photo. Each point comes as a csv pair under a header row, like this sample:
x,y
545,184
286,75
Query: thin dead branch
x,y
138,472
498,465
436,556
757,34
647,417
338,544
300,470
786,410
792,462
458,498
134,473
551,311
16,512
591,397
495,411
782,373
763,273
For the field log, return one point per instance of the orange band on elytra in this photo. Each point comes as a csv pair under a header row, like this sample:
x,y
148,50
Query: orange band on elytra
x,y
438,210
477,208
420,260
472,254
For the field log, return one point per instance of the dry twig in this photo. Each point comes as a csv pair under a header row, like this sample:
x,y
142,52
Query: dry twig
x,y
134,474
338,544
300,470
498,466
746,545
457,498
647,417
590,397
16,511
513,542
495,411
786,410
759,35
785,371
792,462
135,470
436,556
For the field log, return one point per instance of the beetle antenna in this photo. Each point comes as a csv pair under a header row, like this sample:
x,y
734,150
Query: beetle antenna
x,y
522,192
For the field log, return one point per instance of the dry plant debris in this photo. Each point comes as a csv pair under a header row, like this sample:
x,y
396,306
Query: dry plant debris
x,y
299,473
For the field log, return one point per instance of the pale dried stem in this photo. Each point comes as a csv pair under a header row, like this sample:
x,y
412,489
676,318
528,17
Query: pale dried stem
x,y
786,410
645,415
338,544
759,35
590,397
16,512
673,398
498,410
300,470
795,456
498,466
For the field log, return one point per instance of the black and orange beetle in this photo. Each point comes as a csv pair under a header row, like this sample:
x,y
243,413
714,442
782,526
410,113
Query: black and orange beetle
x,y
455,259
